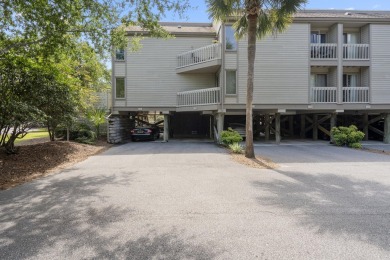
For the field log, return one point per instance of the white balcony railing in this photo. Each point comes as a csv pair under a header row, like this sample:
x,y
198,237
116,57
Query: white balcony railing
x,y
356,51
208,96
355,94
204,54
320,51
323,94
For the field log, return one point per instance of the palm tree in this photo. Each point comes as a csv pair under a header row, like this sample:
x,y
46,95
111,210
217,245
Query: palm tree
x,y
256,19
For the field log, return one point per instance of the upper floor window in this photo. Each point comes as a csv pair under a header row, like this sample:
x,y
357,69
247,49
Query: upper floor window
x,y
231,82
120,54
119,87
317,37
230,40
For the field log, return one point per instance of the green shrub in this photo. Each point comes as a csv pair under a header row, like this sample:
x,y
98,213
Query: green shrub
x,y
236,148
347,136
86,136
356,145
230,137
79,132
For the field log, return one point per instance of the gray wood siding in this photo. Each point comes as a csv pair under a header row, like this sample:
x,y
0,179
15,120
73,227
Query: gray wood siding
x,y
281,68
152,80
231,60
332,34
380,64
120,69
120,103
365,72
365,34
332,77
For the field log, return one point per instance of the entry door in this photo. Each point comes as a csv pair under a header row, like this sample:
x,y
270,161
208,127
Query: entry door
x,y
350,38
350,80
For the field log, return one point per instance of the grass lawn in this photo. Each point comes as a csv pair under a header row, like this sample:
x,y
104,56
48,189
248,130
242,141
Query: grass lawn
x,y
39,133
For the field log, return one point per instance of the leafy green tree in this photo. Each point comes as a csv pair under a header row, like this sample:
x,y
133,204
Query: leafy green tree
x,y
19,79
49,90
84,72
254,19
52,24
97,116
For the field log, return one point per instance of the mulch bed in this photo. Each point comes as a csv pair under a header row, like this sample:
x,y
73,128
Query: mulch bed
x,y
36,160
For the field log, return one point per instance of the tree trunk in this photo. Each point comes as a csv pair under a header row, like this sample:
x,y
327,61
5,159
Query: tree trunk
x,y
50,130
252,20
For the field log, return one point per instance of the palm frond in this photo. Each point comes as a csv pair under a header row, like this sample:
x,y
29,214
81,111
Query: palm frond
x,y
278,16
220,10
241,27
265,24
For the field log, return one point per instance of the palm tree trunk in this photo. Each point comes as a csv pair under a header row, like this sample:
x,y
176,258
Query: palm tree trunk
x,y
252,20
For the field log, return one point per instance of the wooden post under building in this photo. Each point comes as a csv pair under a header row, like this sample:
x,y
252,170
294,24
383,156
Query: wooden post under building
x,y
277,128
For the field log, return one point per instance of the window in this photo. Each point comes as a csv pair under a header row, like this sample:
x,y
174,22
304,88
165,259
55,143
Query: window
x,y
319,80
350,38
231,82
119,87
350,80
317,37
230,40
120,54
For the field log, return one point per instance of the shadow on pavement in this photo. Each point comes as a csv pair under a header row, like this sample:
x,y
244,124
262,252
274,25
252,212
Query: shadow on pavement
x,y
327,203
159,246
70,218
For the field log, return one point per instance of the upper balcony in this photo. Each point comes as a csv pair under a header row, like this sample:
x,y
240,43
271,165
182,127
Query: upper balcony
x,y
349,94
208,96
356,51
203,60
328,51
323,51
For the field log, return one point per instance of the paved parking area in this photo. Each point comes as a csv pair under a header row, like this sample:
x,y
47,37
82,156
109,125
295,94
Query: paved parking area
x,y
180,200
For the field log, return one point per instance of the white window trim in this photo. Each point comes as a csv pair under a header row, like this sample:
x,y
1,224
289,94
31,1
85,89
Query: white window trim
x,y
224,40
124,79
226,94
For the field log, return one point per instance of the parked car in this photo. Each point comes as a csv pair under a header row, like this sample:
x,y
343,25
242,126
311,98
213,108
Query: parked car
x,y
145,133
240,128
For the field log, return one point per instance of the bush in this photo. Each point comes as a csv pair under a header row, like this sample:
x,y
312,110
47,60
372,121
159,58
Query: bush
x,y
86,136
79,132
230,136
356,145
347,136
236,148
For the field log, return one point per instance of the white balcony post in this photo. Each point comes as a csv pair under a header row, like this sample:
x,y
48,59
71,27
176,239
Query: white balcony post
x,y
340,68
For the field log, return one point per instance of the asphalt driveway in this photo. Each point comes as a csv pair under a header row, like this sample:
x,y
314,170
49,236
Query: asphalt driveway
x,y
190,201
